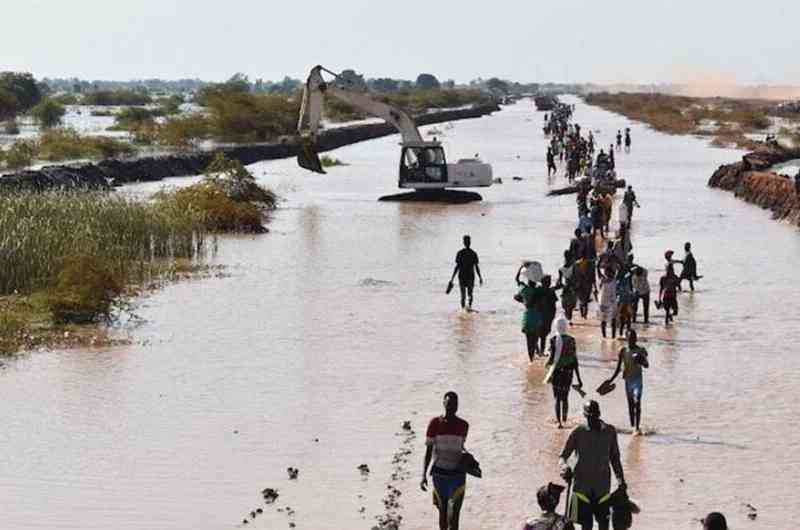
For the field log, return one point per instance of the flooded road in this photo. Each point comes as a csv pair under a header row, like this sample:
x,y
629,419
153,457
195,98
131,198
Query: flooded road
x,y
332,330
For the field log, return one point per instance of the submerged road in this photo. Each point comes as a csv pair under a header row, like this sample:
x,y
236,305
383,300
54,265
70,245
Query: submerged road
x,y
333,329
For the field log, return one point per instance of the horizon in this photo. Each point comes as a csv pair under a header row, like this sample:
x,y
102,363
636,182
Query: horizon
x,y
179,39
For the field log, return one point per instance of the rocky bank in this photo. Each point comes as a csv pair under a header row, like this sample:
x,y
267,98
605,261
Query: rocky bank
x,y
752,180
148,169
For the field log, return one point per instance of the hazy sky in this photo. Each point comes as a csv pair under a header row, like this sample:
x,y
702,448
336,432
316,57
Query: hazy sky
x,y
530,40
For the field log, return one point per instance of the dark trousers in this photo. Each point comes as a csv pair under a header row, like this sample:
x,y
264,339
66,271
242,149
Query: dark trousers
x,y
645,298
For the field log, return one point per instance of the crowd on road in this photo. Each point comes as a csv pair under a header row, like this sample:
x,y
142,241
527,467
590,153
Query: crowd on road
x,y
600,268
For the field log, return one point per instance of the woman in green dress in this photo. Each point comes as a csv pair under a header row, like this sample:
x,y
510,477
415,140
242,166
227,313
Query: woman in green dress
x,y
529,295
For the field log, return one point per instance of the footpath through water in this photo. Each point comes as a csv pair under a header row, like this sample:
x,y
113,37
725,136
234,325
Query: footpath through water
x,y
333,329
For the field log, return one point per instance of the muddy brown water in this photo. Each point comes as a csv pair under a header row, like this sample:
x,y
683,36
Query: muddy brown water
x,y
332,330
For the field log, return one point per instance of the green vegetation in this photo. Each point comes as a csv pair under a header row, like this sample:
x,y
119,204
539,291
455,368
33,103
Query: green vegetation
x,y
228,199
19,92
64,144
48,113
730,119
67,144
180,132
244,117
67,258
132,118
171,105
116,98
20,154
66,99
328,161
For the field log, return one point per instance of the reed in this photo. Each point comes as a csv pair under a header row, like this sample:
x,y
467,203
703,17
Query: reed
x,y
40,233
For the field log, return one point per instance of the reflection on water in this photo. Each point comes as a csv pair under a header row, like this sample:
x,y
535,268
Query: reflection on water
x,y
334,328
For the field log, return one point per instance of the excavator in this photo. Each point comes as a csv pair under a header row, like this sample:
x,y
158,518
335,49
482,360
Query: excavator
x,y
423,165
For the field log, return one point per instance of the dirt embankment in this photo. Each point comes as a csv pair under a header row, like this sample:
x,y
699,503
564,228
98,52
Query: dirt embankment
x,y
752,180
148,169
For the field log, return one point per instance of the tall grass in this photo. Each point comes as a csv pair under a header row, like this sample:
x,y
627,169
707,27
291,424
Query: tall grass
x,y
40,232
685,115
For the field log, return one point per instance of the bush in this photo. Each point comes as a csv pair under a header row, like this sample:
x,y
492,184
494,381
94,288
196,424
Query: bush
x,y
245,117
21,154
66,99
183,131
171,105
11,327
228,199
131,118
116,98
67,144
85,290
48,113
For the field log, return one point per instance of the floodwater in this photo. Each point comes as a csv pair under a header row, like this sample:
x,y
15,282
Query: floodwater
x,y
333,329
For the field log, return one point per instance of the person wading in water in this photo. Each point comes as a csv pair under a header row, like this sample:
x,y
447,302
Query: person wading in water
x,y
564,361
466,267
608,302
547,310
641,289
689,270
530,295
566,282
596,446
631,359
668,294
445,444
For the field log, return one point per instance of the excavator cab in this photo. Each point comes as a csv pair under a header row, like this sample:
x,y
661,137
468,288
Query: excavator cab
x,y
422,165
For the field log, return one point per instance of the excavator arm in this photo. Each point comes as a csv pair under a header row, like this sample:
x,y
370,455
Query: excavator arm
x,y
311,114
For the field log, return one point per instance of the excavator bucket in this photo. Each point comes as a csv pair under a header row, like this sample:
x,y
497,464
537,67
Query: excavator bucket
x,y
308,158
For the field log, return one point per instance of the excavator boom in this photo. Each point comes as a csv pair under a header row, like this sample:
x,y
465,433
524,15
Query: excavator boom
x,y
423,165
311,114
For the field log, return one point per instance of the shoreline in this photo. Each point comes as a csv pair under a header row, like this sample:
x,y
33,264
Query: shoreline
x,y
113,172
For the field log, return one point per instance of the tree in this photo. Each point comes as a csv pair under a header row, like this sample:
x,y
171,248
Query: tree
x,y
497,85
23,87
8,104
352,80
384,84
427,82
238,82
449,84
48,113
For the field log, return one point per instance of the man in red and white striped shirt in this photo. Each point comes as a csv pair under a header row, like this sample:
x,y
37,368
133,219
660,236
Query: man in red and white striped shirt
x,y
445,444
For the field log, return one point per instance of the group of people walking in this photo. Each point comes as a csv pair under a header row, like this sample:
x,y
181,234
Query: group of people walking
x,y
620,287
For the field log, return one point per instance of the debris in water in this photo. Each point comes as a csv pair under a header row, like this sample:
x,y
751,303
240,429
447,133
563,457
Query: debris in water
x,y
293,472
364,468
406,425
